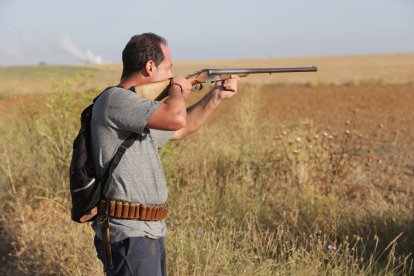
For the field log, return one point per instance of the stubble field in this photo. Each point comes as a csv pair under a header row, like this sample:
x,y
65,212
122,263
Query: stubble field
x,y
298,174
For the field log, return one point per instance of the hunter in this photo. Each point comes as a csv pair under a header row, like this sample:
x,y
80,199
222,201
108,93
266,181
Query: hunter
x,y
131,240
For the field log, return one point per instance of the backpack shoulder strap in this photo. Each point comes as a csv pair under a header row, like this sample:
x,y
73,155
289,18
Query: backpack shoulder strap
x,y
119,153
117,158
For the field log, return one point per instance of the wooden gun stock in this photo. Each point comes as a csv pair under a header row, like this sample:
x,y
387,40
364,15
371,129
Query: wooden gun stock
x,y
153,91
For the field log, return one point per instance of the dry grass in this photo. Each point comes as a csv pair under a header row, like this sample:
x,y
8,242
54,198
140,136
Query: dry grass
x,y
284,179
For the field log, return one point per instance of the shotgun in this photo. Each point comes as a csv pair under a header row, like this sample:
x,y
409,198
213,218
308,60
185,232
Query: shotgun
x,y
159,90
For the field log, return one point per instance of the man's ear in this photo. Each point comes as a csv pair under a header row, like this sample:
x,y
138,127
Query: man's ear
x,y
150,67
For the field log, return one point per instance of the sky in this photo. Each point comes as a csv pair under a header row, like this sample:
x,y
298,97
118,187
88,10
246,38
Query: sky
x,y
92,31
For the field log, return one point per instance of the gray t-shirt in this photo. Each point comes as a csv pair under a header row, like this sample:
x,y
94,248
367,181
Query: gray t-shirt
x,y
139,177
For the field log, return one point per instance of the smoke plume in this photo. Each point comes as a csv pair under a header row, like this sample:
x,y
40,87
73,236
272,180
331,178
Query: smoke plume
x,y
63,42
45,48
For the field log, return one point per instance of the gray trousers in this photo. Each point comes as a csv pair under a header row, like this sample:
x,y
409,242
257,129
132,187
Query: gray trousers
x,y
138,256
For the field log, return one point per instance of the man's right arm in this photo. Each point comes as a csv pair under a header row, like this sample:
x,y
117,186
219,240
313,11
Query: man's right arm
x,y
172,113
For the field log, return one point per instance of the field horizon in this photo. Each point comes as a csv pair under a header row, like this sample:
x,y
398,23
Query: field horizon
x,y
335,70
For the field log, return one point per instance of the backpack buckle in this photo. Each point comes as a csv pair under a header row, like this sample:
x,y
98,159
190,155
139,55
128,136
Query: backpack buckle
x,y
122,149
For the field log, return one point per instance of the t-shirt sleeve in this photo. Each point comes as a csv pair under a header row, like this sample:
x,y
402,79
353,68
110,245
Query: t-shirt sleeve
x,y
161,137
129,112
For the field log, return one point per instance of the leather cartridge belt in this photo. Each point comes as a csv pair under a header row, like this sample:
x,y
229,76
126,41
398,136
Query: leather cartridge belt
x,y
128,210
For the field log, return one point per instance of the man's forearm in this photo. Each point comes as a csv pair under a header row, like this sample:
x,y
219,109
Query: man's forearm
x,y
198,113
176,102
171,114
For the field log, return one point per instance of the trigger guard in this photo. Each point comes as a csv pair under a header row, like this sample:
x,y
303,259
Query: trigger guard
x,y
197,87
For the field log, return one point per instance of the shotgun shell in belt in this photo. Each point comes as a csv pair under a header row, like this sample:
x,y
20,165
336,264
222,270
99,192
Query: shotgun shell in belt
x,y
142,212
111,208
125,210
132,209
118,209
149,213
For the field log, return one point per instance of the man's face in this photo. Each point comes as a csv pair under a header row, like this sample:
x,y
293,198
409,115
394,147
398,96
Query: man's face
x,y
163,70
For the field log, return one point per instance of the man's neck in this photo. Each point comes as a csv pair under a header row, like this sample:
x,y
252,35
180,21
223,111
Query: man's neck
x,y
132,81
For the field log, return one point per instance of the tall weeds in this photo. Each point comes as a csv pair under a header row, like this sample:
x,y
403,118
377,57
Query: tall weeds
x,y
248,196
36,217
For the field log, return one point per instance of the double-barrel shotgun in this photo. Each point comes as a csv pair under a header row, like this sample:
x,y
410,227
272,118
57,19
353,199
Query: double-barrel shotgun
x,y
159,90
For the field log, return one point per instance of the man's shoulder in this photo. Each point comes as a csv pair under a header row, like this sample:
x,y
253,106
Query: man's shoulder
x,y
123,109
114,93
118,91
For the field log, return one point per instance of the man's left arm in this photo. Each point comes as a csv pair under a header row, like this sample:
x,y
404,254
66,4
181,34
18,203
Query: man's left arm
x,y
198,113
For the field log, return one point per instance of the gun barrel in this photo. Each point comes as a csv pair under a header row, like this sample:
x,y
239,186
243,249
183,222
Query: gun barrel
x,y
259,70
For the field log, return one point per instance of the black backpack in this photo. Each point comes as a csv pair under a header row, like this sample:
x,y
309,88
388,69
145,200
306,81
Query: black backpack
x,y
85,189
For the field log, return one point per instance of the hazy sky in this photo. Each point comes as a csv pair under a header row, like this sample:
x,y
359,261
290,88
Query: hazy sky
x,y
79,31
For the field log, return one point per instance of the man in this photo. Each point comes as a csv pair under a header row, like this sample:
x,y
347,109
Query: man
x,y
137,245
